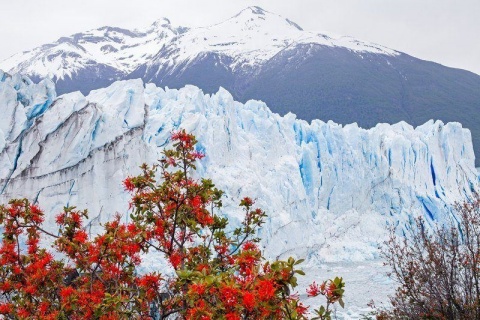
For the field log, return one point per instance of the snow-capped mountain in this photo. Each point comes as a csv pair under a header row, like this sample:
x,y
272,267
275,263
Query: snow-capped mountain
x,y
260,55
246,40
329,190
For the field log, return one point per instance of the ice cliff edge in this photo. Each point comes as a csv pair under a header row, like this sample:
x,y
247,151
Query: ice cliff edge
x,y
329,190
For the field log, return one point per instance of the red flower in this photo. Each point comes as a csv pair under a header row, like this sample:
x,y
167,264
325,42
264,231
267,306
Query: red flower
x,y
198,155
330,292
36,213
301,309
149,280
23,313
132,228
5,308
203,217
247,202
196,201
229,296
198,288
128,184
76,218
202,267
80,236
313,290
266,289
43,307
30,289
232,316
175,259
221,249
248,301
5,286
32,245
249,245
171,161
60,218
66,292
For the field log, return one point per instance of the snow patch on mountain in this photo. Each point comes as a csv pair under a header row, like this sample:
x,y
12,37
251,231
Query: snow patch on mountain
x,y
248,39
329,190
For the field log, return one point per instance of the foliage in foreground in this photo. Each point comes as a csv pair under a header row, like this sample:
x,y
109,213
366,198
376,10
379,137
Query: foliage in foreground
x,y
437,269
219,274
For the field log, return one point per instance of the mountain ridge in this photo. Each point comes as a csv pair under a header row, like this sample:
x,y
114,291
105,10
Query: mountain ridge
x,y
253,18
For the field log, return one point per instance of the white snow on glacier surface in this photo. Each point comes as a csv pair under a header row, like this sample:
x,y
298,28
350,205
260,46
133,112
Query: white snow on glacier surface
x,y
330,191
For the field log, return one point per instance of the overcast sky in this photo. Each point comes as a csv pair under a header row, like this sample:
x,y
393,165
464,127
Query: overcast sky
x,y
444,31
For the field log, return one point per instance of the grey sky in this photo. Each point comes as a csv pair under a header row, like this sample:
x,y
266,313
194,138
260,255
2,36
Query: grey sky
x,y
445,31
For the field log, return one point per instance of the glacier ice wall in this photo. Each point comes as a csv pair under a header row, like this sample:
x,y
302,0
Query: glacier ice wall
x,y
329,191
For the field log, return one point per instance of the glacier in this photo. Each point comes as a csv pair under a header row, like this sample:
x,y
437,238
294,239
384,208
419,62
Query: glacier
x,y
330,191
340,185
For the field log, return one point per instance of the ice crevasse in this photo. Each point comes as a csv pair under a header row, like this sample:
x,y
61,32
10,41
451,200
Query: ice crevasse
x,y
329,190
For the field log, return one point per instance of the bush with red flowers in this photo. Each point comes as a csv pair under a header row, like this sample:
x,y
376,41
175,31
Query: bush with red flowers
x,y
219,274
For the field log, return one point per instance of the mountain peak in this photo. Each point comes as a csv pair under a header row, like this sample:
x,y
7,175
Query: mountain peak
x,y
258,16
250,38
258,13
253,11
162,22
256,10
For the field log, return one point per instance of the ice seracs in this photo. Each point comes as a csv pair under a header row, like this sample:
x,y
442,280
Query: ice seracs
x,y
329,190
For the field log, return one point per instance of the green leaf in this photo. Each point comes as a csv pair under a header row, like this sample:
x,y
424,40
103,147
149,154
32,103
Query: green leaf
x,y
293,281
300,272
209,280
321,310
183,274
